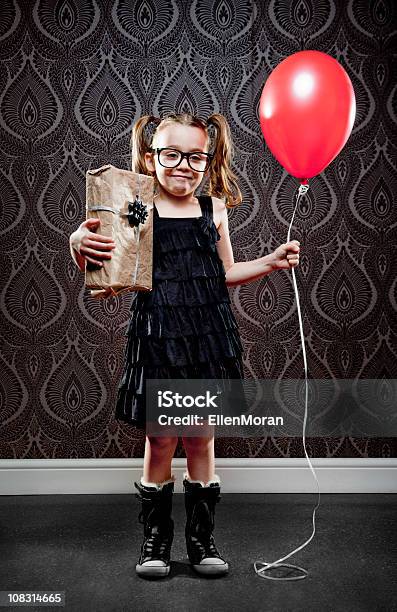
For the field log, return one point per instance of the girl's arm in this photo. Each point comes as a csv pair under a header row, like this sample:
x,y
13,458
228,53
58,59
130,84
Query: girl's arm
x,y
284,257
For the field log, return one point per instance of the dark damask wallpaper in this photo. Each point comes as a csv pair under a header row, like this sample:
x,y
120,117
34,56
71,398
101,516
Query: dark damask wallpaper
x,y
75,76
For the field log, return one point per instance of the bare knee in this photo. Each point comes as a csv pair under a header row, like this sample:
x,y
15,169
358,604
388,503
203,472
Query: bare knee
x,y
197,444
162,443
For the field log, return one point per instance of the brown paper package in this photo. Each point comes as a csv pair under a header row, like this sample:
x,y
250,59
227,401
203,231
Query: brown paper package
x,y
108,192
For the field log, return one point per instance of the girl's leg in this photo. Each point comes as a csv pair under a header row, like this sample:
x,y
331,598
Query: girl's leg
x,y
200,500
154,560
200,455
159,451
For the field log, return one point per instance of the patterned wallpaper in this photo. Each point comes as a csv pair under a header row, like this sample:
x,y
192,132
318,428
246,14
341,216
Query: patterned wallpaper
x,y
75,76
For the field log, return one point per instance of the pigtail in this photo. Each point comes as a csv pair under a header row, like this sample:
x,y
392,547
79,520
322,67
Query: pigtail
x,y
222,180
140,144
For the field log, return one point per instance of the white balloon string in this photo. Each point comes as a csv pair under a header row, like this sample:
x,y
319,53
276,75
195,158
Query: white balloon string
x,y
267,566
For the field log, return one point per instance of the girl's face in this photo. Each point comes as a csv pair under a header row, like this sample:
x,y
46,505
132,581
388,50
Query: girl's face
x,y
182,180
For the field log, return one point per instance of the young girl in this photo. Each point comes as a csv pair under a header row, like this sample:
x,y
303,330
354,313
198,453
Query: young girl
x,y
184,327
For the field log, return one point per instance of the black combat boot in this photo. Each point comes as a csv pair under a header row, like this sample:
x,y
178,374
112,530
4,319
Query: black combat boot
x,y
200,503
154,560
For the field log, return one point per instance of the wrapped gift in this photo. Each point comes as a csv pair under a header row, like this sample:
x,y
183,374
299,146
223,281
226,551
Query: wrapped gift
x,y
123,202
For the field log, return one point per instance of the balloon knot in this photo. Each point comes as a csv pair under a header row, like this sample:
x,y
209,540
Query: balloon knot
x,y
303,189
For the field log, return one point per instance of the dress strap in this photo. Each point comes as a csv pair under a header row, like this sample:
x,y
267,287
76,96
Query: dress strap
x,y
206,206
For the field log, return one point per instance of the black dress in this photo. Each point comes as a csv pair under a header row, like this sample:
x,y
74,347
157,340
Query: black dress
x,y
184,327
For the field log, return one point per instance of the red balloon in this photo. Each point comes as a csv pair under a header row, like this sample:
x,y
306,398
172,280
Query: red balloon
x,y
307,111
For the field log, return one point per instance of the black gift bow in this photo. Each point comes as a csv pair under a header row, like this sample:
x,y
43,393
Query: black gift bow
x,y
137,212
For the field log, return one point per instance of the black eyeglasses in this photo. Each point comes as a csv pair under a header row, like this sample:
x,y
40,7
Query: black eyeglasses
x,y
171,158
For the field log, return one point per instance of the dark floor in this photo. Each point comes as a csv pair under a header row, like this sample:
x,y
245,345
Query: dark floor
x,y
88,547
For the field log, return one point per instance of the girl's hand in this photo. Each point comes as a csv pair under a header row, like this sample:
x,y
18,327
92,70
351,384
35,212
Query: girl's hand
x,y
286,256
89,245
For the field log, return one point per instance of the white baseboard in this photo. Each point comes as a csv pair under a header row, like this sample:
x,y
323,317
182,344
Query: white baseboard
x,y
92,476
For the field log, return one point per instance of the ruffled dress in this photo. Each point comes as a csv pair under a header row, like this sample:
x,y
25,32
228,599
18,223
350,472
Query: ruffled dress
x,y
184,327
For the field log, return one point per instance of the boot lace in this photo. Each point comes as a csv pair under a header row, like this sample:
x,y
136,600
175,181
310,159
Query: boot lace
x,y
201,528
156,543
157,538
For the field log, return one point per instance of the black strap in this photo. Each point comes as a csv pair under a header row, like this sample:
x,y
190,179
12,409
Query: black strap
x,y
206,205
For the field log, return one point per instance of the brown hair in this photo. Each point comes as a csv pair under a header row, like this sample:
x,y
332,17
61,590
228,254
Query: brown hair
x,y
222,180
